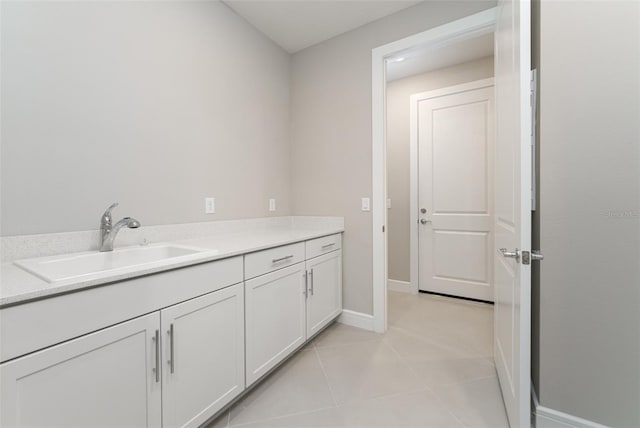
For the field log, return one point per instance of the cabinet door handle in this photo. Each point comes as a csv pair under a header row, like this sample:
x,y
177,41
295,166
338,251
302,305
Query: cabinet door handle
x,y
281,259
172,358
156,341
312,281
324,247
305,283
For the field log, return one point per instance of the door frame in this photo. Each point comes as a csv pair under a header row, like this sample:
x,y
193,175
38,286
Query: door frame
x,y
414,185
462,29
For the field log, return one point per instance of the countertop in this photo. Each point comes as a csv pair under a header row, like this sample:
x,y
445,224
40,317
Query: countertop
x,y
18,286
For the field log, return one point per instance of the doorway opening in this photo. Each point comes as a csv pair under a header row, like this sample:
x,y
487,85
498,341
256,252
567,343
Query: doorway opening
x,y
439,105
439,207
440,144
479,26
512,171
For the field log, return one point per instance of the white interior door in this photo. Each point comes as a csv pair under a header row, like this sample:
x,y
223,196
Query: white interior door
x,y
454,128
512,227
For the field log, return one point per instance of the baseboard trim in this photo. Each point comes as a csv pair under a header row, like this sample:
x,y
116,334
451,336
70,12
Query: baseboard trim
x,y
400,286
357,319
545,417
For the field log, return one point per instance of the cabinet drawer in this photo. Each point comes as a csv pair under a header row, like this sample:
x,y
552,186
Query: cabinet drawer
x,y
266,261
319,246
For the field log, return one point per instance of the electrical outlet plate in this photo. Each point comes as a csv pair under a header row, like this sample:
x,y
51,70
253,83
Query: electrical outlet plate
x,y
210,205
272,204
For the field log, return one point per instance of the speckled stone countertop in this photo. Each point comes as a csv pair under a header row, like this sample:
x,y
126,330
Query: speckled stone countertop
x,y
17,286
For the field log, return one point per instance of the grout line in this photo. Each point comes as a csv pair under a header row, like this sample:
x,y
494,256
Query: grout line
x,y
326,378
338,345
465,352
274,418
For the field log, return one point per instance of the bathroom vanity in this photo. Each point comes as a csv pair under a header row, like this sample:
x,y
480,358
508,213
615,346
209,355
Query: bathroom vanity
x,y
168,343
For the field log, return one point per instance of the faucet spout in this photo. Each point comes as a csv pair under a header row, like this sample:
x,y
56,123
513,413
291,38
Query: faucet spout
x,y
109,231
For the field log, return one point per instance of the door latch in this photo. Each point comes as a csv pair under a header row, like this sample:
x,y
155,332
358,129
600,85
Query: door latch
x,y
533,256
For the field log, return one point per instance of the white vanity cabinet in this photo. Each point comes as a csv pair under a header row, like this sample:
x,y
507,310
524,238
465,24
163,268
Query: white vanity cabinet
x,y
170,349
106,378
287,306
202,356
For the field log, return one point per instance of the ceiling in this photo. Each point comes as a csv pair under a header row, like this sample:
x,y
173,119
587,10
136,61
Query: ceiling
x,y
421,61
298,24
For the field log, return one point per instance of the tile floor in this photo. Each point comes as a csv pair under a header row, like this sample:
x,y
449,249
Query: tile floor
x,y
433,368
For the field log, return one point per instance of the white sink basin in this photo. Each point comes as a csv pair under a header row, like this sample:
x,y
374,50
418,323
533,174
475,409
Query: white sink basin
x,y
90,264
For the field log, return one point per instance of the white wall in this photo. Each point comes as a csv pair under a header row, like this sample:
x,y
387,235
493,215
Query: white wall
x,y
152,104
331,130
398,162
588,349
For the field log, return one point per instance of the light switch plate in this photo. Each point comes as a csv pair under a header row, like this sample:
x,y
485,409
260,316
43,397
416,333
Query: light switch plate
x,y
209,205
388,203
272,204
366,204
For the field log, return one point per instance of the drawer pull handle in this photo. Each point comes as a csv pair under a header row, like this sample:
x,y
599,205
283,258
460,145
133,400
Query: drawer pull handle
x,y
172,358
281,259
324,247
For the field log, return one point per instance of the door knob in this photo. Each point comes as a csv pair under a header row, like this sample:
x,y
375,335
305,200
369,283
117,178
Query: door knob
x,y
424,221
514,255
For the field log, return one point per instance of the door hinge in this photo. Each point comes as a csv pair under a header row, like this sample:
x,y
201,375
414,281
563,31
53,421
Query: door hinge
x,y
534,108
525,257
383,228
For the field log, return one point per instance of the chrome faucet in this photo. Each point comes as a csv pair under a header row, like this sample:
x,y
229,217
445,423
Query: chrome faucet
x,y
108,230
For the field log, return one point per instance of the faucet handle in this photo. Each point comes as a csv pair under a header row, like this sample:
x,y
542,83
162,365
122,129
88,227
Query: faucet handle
x,y
106,217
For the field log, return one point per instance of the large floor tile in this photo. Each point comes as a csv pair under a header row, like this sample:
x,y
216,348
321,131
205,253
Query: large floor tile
x,y
365,370
421,409
298,386
414,348
325,418
477,404
453,371
462,325
340,334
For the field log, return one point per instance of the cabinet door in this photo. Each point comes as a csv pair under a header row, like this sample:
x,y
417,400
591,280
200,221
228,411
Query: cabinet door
x,y
275,316
203,356
324,301
107,378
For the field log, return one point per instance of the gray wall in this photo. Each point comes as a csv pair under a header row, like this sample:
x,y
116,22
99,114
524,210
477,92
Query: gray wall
x,y
152,104
589,296
331,130
398,93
